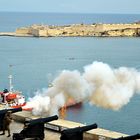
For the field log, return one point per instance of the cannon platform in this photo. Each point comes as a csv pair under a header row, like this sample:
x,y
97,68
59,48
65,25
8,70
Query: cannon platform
x,y
53,128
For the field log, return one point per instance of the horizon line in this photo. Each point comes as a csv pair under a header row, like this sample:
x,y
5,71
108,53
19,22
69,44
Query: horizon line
x,y
66,12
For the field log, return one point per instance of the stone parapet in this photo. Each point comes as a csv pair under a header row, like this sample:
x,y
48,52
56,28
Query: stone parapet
x,y
85,30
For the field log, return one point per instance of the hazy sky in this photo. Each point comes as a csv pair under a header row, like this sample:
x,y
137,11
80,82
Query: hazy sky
x,y
75,6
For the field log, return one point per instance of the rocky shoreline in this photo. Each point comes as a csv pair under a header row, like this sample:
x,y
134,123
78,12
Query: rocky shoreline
x,y
78,30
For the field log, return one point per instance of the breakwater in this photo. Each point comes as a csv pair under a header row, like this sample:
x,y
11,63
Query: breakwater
x,y
83,30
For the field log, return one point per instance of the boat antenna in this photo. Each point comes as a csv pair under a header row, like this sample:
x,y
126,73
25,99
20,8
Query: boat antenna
x,y
10,80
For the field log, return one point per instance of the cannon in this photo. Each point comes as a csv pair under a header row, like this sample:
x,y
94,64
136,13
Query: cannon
x,y
4,111
132,137
76,133
34,129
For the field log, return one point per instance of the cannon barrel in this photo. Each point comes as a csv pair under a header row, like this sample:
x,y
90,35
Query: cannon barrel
x,y
132,137
13,110
80,129
76,133
42,120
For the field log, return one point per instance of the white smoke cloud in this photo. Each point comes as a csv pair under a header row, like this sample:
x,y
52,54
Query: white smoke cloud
x,y
98,73
57,102
99,84
114,87
40,104
72,84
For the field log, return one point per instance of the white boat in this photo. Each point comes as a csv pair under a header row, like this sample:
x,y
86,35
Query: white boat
x,y
12,98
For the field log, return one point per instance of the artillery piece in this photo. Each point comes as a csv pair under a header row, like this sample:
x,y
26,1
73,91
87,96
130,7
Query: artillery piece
x,y
34,129
76,133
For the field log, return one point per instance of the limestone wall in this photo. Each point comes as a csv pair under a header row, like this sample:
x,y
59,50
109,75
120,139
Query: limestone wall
x,y
130,32
102,134
126,32
99,28
107,27
22,31
54,32
82,30
39,33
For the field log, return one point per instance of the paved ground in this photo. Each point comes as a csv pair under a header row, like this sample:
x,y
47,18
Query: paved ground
x,y
17,127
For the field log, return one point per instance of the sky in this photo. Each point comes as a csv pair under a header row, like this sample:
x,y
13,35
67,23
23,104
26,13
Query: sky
x,y
72,6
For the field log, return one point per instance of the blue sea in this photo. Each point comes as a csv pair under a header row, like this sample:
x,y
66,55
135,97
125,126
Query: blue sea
x,y
37,61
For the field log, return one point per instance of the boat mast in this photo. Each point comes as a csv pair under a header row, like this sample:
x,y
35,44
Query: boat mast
x,y
10,81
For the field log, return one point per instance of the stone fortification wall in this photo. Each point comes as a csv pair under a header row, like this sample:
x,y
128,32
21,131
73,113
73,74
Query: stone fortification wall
x,y
138,32
22,31
54,32
82,30
108,27
125,32
38,33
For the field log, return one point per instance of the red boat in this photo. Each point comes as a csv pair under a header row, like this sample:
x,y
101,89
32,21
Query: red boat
x,y
12,98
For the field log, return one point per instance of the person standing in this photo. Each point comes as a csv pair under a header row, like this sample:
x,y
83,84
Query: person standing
x,y
6,123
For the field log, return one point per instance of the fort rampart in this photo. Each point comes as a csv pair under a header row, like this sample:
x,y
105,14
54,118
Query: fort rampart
x,y
85,30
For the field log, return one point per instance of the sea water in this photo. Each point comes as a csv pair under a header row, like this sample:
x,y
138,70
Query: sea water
x,y
37,61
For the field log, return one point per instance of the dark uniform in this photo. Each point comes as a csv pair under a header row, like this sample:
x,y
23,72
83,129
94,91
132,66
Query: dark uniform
x,y
6,123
